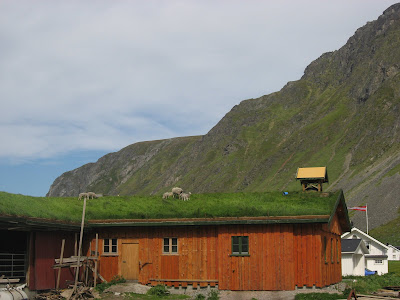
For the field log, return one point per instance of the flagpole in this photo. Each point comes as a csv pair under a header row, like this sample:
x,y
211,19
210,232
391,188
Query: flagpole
x,y
366,215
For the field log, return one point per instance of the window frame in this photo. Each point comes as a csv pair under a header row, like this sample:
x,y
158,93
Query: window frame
x,y
170,246
110,244
378,262
240,244
367,244
337,251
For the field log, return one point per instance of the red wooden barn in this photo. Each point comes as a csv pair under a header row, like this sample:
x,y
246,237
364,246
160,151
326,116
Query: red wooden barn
x,y
29,247
241,253
234,253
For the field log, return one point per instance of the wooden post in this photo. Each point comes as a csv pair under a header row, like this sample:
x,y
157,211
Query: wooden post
x,y
96,258
76,245
86,272
61,261
352,295
80,247
31,280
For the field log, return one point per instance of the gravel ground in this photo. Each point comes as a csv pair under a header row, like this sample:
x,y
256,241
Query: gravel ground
x,y
116,292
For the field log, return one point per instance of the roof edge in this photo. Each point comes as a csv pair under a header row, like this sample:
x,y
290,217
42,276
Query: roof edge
x,y
210,221
341,200
367,235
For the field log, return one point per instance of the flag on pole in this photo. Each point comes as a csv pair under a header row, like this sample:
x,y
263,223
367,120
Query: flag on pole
x,y
361,208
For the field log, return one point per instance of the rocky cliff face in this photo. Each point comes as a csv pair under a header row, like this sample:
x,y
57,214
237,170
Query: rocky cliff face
x,y
343,114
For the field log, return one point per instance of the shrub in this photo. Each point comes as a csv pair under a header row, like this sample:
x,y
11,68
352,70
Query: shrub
x,y
158,290
213,295
117,279
200,297
105,285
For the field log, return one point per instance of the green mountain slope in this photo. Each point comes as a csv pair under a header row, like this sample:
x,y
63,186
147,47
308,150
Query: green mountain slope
x,y
343,113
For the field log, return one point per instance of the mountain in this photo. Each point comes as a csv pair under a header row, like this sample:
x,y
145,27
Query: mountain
x,y
343,113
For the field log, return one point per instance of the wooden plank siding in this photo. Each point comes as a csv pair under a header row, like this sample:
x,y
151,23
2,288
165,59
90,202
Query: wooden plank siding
x,y
281,256
45,247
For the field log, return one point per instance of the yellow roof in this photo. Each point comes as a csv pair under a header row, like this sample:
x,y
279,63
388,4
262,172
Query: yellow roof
x,y
312,173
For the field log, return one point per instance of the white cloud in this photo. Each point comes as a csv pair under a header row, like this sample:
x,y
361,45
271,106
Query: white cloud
x,y
83,75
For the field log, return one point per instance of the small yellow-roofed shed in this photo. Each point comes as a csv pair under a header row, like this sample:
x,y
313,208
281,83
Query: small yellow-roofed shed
x,y
312,178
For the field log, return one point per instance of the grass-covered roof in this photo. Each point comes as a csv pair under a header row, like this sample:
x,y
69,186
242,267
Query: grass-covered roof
x,y
216,205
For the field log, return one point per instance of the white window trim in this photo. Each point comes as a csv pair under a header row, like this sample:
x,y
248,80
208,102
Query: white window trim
x,y
170,246
110,245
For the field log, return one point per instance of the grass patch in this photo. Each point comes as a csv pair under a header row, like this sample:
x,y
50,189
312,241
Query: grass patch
x,y
389,232
361,284
129,296
393,171
369,284
394,267
154,207
319,296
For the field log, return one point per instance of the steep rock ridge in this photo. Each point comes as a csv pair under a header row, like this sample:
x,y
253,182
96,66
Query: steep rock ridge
x,y
368,45
114,169
343,113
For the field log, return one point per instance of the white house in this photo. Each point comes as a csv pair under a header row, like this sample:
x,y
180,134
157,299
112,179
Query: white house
x,y
393,253
377,258
353,257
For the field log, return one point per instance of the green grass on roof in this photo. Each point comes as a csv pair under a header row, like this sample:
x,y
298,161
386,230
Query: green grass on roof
x,y
154,207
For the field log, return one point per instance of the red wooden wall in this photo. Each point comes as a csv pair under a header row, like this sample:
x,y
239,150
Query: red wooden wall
x,y
43,249
196,259
282,256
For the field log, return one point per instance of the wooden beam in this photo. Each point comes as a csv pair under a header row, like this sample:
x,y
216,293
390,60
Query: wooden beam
x,y
76,245
98,274
80,247
11,280
95,262
61,261
186,280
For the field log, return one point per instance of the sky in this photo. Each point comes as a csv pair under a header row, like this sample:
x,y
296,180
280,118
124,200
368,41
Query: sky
x,y
80,79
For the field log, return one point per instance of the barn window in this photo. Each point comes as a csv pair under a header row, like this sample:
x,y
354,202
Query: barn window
x,y
378,261
170,246
240,245
110,246
337,250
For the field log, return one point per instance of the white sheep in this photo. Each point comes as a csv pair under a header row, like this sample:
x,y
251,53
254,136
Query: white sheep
x,y
83,195
91,195
185,196
176,191
167,195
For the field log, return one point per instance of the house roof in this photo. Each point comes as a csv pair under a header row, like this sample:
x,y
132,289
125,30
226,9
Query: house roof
x,y
312,173
354,246
365,236
350,245
395,248
229,208
376,256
